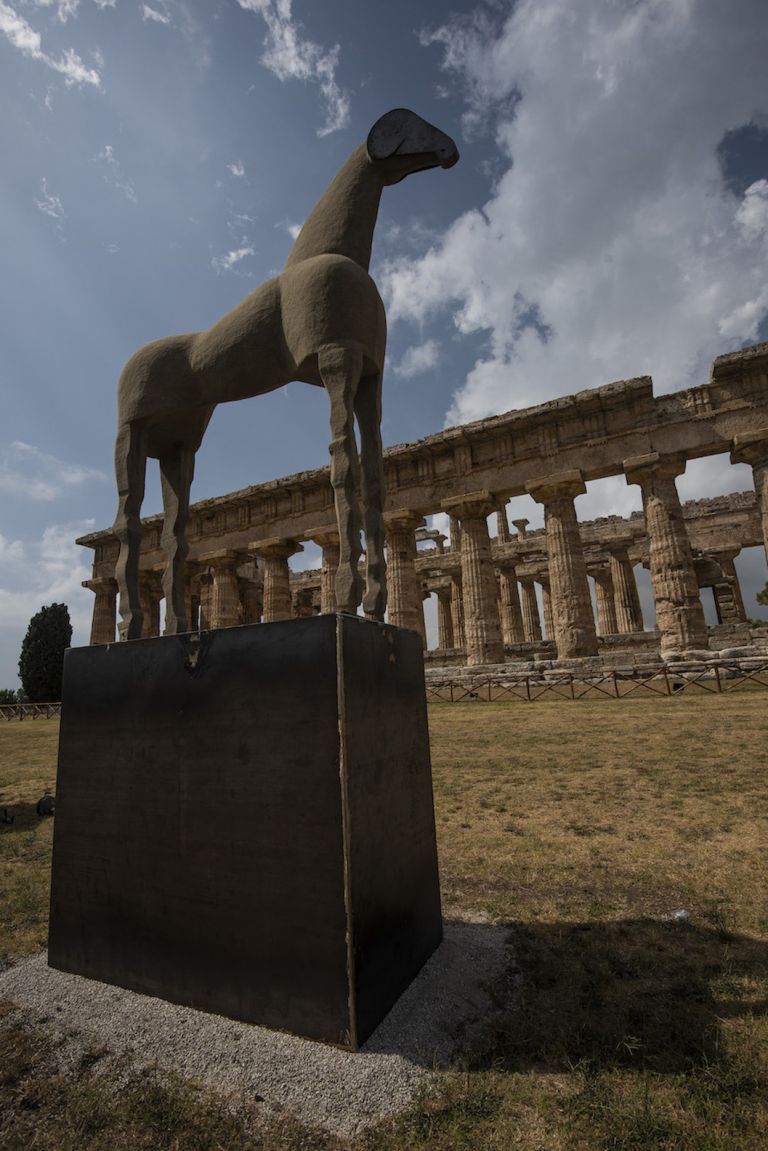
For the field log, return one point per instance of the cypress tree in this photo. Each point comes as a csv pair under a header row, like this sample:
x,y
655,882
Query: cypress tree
x,y
42,653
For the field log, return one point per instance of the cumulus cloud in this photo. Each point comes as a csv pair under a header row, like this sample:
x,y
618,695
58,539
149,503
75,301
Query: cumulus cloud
x,y
64,8
230,260
611,245
26,40
291,56
27,472
153,15
420,358
49,204
291,227
43,571
112,172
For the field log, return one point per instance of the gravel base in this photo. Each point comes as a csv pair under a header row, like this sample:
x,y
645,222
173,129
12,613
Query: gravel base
x,y
322,1086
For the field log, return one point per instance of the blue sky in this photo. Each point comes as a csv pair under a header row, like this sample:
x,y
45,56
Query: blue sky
x,y
609,218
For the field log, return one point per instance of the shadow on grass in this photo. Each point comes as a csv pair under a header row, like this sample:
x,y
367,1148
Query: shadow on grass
x,y
634,993
20,816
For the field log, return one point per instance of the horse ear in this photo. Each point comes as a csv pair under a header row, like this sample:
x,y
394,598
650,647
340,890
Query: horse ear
x,y
387,134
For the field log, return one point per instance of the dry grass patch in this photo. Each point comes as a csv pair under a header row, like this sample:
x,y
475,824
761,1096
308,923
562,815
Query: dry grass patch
x,y
28,752
585,825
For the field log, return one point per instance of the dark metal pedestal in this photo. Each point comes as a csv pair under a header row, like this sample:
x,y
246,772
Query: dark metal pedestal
x,y
244,822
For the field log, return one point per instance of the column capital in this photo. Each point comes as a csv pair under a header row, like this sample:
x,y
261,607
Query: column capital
x,y
100,584
403,521
152,578
323,537
505,564
475,505
521,525
750,447
560,485
276,547
221,558
617,544
638,469
723,553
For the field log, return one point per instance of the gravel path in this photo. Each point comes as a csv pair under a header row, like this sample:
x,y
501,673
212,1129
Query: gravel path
x,y
320,1085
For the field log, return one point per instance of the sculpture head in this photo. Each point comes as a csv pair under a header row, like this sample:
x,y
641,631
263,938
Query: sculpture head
x,y
400,143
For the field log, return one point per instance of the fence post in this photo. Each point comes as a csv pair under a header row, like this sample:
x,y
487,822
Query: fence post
x,y
717,677
616,683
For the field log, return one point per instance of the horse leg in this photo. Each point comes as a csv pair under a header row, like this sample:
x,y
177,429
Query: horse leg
x,y
177,469
130,469
340,368
368,412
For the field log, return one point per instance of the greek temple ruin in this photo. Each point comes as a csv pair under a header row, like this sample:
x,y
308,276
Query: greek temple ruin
x,y
238,568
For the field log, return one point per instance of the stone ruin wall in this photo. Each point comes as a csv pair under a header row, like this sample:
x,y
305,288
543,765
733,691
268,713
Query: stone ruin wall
x,y
241,543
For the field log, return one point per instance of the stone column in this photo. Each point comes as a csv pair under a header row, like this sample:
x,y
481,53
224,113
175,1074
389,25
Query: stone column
x,y
455,533
457,610
626,600
150,594
574,621
502,523
206,596
329,542
679,614
530,610
444,619
251,594
521,526
605,600
510,613
302,603
546,607
752,448
273,560
482,629
104,619
223,607
728,599
404,603
193,611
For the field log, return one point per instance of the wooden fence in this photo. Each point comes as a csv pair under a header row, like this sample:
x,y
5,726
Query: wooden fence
x,y
29,710
665,681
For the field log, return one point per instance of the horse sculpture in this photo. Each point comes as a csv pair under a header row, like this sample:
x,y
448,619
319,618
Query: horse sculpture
x,y
321,321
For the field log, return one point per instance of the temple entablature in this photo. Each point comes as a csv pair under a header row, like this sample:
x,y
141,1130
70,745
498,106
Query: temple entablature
x,y
485,571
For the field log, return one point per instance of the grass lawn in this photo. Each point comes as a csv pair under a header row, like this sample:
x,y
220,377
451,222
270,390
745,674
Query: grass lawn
x,y
586,826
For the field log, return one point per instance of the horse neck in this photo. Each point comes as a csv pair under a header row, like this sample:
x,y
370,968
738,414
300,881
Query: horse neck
x,y
342,221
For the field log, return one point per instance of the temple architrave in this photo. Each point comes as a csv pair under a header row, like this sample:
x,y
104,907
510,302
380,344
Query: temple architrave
x,y
485,584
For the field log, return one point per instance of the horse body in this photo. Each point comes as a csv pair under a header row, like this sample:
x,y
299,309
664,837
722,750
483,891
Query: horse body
x,y
321,321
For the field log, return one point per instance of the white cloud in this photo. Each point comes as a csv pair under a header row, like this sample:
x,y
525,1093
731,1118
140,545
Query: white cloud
x,y
290,56
152,14
291,227
102,4
418,359
752,213
44,571
112,172
227,262
237,169
24,38
64,8
27,472
610,246
49,204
